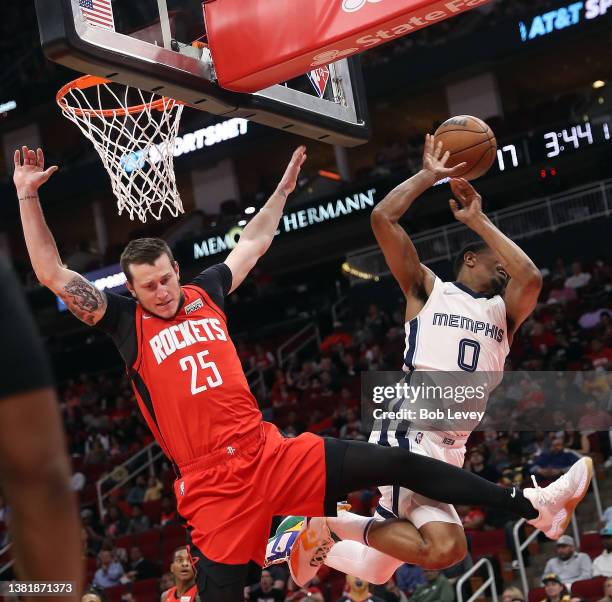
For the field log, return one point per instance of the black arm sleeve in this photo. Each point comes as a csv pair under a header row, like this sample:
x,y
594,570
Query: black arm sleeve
x,y
25,366
216,281
119,322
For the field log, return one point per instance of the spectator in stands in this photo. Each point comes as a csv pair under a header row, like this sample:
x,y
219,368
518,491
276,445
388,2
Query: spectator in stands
x,y
139,522
593,417
579,278
554,588
557,461
591,318
512,594
477,465
437,589
97,455
139,567
154,489
602,565
605,327
471,517
115,523
559,293
376,321
110,571
309,591
607,518
94,538
137,492
568,565
93,595
393,593
352,428
128,597
607,591
168,511
357,590
166,582
265,590
598,354
408,577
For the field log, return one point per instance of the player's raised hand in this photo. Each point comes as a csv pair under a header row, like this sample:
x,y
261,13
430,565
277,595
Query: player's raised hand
x,y
289,180
468,207
30,173
434,161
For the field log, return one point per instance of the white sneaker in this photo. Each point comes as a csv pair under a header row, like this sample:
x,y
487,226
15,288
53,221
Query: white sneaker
x,y
310,550
557,502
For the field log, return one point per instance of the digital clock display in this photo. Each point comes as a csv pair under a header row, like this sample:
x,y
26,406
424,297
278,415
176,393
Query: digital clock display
x,y
575,137
547,144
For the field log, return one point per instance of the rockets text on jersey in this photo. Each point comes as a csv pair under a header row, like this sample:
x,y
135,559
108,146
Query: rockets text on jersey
x,y
189,380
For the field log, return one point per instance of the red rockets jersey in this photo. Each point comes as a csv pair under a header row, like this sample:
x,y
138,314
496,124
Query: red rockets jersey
x,y
188,596
189,380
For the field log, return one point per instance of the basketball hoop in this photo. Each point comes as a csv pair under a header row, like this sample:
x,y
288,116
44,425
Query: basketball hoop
x,y
135,141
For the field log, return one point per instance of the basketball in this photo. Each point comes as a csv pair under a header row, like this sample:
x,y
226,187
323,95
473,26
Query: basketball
x,y
468,139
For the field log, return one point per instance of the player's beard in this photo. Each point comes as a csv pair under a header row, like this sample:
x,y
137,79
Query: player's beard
x,y
498,285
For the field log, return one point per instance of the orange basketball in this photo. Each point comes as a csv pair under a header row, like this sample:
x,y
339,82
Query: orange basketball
x,y
468,139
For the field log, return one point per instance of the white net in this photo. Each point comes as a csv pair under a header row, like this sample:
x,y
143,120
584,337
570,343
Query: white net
x,y
135,140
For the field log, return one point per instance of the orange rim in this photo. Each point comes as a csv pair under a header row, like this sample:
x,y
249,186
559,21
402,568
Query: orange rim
x,y
90,81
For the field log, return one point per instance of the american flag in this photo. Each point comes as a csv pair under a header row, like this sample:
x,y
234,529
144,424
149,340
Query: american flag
x,y
98,12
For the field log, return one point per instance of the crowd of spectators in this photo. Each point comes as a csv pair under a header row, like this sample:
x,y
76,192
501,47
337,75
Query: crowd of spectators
x,y
570,332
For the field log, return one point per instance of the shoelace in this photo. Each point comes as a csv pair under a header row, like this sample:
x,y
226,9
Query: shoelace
x,y
552,493
321,553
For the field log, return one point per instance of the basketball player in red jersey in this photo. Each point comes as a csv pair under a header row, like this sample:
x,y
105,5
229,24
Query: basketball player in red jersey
x,y
234,471
185,589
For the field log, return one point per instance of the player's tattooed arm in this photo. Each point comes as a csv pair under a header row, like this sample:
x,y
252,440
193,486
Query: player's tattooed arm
x,y
83,299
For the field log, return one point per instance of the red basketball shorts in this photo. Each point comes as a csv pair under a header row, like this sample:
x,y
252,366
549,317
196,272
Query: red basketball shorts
x,y
228,498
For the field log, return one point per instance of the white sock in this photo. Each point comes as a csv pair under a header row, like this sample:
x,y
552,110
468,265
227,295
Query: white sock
x,y
363,562
350,526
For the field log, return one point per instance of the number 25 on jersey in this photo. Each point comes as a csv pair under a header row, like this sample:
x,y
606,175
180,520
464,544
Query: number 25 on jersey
x,y
212,379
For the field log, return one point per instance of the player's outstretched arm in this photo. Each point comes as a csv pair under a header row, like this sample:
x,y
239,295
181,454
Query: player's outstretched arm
x,y
258,235
400,254
81,297
525,284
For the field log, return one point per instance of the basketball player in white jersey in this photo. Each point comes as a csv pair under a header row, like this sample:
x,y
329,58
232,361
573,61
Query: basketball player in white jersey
x,y
466,325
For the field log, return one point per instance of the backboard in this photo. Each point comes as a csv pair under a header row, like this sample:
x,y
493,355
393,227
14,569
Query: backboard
x,y
161,46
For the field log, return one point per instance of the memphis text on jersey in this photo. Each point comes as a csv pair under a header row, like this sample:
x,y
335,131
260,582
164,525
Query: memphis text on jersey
x,y
465,323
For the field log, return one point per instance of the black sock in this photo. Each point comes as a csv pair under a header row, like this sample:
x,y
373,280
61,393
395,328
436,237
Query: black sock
x,y
368,465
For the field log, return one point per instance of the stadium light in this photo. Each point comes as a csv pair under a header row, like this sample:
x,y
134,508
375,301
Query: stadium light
x,y
598,83
249,210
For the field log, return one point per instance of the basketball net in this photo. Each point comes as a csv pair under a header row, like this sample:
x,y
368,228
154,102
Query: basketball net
x,y
135,141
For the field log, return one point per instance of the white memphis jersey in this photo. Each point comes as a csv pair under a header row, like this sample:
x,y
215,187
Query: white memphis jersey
x,y
457,329
457,332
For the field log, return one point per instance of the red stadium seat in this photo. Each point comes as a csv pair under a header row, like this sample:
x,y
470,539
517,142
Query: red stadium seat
x,y
589,589
536,594
113,594
148,538
591,544
147,589
487,543
152,510
125,541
